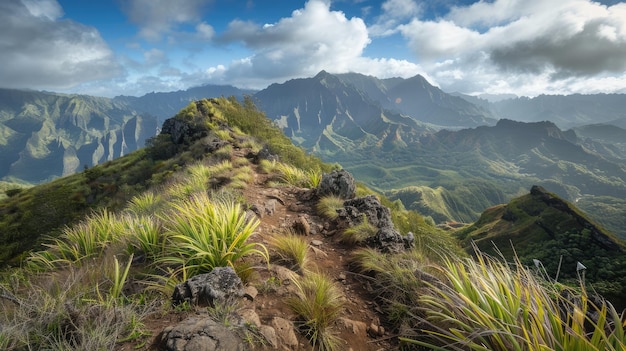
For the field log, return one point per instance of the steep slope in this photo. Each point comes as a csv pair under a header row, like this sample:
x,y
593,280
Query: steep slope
x,y
327,115
46,135
507,158
542,226
202,153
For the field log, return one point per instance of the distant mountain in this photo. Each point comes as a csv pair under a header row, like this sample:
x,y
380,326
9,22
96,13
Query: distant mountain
x,y
328,115
565,111
47,135
166,104
542,226
417,98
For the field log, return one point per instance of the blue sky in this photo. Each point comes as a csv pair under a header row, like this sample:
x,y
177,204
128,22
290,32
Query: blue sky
x,y
133,47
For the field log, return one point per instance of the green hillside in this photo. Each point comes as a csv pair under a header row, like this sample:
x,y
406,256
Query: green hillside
x,y
223,191
542,226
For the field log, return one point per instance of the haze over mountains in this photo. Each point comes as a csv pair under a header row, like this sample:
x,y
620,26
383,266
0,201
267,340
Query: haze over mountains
x,y
449,156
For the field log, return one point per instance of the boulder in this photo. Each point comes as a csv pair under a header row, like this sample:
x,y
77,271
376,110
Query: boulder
x,y
339,183
200,334
218,286
377,215
265,154
178,129
387,238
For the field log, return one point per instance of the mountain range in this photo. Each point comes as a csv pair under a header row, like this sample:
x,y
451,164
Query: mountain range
x,y
449,156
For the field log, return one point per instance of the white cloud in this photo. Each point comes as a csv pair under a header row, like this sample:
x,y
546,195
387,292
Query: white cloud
x,y
532,45
156,18
38,51
314,38
393,12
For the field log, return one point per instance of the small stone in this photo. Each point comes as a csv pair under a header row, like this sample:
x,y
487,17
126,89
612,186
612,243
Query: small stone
x,y
316,243
269,334
342,276
250,292
250,316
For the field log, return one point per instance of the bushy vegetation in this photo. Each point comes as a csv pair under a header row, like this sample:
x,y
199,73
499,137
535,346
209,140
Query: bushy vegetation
x,y
486,304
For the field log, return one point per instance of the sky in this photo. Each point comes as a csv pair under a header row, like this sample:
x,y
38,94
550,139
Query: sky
x,y
133,47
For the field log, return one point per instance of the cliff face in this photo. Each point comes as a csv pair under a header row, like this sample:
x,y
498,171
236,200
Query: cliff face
x,y
46,135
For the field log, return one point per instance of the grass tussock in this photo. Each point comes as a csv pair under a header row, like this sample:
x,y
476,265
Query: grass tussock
x,y
291,249
295,176
489,305
327,206
318,303
204,234
358,233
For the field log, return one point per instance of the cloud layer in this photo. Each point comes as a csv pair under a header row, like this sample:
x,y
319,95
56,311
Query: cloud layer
x,y
509,43
526,47
37,50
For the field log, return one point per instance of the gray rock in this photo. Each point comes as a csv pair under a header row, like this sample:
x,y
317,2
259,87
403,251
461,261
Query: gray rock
x,y
377,215
285,331
387,238
201,334
339,183
266,154
218,286
269,334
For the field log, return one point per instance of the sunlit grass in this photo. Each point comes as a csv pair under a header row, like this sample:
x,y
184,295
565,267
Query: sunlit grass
x,y
204,235
327,206
488,305
291,249
319,302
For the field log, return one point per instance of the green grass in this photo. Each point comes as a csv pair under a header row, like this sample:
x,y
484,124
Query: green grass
x,y
291,249
319,302
488,305
358,233
204,235
327,206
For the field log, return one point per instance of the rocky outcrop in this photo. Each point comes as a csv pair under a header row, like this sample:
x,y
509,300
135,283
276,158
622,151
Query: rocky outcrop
x,y
218,286
200,334
387,238
339,183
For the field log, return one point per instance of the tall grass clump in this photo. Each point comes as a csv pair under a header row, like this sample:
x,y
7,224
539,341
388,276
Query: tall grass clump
x,y
327,206
298,177
291,249
318,303
147,204
398,280
358,233
205,234
488,305
84,240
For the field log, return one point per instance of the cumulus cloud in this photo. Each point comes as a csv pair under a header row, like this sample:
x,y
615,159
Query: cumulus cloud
x,y
158,17
39,50
314,38
393,12
523,41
